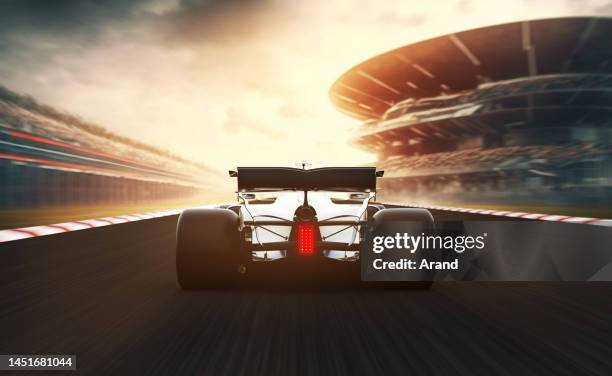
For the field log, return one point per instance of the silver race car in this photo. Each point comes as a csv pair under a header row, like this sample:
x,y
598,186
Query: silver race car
x,y
289,224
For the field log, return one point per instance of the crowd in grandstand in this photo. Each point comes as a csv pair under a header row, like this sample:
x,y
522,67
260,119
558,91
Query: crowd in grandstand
x,y
527,121
24,114
490,92
503,158
49,158
531,166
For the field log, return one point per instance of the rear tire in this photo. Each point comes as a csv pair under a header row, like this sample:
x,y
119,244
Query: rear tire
x,y
373,209
408,215
207,248
405,215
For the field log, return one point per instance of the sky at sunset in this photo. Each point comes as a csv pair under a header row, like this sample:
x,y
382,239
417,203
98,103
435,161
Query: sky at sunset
x,y
230,82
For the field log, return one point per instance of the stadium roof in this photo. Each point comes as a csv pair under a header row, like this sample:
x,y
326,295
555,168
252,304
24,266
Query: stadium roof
x,y
461,61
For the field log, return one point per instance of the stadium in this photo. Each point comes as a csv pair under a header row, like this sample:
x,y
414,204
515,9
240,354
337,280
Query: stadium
x,y
518,114
52,159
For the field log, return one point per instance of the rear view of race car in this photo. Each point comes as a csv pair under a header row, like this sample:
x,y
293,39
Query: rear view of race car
x,y
288,222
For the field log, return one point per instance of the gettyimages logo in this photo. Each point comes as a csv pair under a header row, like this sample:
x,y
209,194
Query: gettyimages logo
x,y
413,251
411,243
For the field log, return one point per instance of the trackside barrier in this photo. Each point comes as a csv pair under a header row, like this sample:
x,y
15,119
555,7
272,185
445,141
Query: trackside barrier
x,y
34,231
57,228
502,213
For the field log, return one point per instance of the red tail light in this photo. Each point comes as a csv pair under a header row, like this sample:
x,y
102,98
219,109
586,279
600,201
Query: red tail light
x,y
306,238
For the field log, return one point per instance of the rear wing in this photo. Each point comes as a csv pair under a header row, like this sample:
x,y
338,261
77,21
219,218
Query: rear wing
x,y
347,179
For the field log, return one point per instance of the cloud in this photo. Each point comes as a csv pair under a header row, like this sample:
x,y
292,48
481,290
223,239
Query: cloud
x,y
189,75
605,9
45,27
239,119
74,19
394,17
293,111
464,6
227,21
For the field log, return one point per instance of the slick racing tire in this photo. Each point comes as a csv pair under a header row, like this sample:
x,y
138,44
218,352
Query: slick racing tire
x,y
207,248
373,209
408,215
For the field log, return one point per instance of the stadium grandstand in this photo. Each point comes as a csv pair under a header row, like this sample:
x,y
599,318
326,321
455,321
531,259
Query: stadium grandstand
x,y
50,158
512,114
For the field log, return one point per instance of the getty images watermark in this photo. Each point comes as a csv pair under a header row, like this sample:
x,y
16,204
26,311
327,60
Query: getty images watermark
x,y
406,242
508,250
413,251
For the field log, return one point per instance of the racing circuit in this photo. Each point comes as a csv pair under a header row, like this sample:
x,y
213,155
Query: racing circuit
x,y
111,297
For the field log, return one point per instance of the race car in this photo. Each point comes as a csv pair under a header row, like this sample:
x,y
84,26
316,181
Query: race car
x,y
288,223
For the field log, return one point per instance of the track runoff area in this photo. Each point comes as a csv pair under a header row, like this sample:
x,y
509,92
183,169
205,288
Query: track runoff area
x,y
439,212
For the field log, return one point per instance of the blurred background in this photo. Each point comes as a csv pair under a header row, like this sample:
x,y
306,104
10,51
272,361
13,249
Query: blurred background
x,y
128,106
516,116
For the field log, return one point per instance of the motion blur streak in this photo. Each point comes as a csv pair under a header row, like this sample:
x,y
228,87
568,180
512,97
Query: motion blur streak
x,y
44,140
50,159
109,296
514,114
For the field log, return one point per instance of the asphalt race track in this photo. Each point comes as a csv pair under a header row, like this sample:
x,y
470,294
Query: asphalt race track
x,y
109,296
